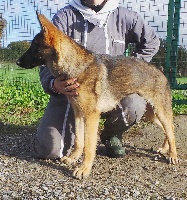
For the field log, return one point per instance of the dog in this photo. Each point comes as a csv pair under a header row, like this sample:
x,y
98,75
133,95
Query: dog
x,y
104,81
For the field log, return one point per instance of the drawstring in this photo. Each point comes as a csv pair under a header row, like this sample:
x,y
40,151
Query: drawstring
x,y
64,129
106,35
105,32
85,33
123,115
106,39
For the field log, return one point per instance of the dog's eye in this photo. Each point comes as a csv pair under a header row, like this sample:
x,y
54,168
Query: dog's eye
x,y
36,48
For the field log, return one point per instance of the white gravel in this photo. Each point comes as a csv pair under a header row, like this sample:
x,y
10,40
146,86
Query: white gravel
x,y
142,174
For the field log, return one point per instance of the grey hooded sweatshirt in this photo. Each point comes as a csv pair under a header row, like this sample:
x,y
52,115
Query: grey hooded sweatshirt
x,y
110,34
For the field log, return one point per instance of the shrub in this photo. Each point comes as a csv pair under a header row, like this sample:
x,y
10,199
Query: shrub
x,y
22,102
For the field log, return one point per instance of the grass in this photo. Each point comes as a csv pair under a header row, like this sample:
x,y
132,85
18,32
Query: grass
x,y
21,104
11,72
179,108
182,80
180,95
23,101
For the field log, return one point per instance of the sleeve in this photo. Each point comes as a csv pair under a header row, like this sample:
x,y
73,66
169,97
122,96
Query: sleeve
x,y
60,20
45,78
145,38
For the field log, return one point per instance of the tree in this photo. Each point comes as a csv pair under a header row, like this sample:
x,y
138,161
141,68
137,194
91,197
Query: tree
x,y
182,61
3,24
159,58
20,47
13,51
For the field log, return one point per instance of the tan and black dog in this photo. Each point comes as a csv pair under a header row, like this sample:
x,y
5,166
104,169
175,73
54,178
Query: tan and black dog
x,y
104,81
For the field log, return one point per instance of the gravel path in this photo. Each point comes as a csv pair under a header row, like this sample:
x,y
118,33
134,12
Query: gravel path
x,y
142,174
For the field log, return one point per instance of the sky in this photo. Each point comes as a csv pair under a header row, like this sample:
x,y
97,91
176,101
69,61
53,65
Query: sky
x,y
22,23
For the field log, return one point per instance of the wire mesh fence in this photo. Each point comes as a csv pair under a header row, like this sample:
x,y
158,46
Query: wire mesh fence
x,y
19,23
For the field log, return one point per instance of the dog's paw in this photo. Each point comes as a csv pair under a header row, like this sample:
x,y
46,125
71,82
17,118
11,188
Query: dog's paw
x,y
172,156
67,160
162,150
174,160
72,158
82,172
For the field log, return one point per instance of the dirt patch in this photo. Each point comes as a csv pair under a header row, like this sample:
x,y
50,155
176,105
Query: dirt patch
x,y
141,174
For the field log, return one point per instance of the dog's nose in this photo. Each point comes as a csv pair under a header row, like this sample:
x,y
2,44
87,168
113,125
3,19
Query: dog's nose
x,y
18,62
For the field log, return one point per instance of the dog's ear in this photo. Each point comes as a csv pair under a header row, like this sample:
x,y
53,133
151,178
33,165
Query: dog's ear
x,y
50,32
45,24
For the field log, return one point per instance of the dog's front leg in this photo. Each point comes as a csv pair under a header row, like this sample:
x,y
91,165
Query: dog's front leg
x,y
79,140
90,142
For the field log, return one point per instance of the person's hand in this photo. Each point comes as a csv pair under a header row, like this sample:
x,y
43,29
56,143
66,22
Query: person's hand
x,y
66,87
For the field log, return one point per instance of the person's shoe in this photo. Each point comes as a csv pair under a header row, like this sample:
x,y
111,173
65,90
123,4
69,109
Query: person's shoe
x,y
114,147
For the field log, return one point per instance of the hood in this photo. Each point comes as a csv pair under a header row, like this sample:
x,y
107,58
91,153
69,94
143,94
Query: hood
x,y
96,18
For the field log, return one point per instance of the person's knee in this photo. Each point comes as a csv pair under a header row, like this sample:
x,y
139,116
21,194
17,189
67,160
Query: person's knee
x,y
48,145
134,107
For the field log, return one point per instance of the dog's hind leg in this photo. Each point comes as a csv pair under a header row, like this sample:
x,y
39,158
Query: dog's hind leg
x,y
150,115
90,138
169,141
163,116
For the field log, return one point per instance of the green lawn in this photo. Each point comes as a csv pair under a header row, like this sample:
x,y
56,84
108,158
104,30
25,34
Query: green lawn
x,y
22,99
11,72
182,80
180,95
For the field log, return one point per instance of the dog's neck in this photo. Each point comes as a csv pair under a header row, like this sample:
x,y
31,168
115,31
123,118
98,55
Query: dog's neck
x,y
73,59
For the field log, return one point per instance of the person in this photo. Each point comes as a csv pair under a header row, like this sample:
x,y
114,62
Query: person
x,y
104,27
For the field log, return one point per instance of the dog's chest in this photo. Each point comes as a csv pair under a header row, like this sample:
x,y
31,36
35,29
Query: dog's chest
x,y
106,102
106,99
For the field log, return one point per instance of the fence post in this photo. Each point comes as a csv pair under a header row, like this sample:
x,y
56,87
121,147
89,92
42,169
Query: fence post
x,y
172,41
